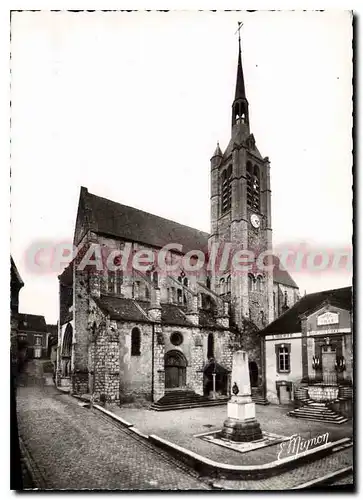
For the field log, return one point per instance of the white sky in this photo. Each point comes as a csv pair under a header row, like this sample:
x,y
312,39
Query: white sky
x,y
131,105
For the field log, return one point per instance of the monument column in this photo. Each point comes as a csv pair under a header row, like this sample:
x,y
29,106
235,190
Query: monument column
x,y
241,424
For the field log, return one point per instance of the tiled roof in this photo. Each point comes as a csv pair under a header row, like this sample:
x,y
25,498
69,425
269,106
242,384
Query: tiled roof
x,y
108,217
281,276
120,308
32,323
214,367
290,321
172,314
131,224
15,276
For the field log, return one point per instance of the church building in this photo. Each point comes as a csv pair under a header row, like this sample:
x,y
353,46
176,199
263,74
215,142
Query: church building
x,y
126,334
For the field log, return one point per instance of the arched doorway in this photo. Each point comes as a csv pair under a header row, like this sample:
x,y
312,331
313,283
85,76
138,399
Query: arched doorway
x,y
220,375
253,368
67,351
175,370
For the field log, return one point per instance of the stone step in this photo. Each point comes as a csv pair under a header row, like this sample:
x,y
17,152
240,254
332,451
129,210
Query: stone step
x,y
336,419
338,422
260,401
185,406
318,417
307,409
324,409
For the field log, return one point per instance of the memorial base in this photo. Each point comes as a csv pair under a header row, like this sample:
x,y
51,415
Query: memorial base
x,y
241,430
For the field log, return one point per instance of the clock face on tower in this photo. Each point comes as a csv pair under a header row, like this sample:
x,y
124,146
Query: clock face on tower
x,y
255,221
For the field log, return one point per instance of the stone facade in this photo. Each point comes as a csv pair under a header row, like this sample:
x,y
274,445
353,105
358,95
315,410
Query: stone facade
x,y
116,330
320,355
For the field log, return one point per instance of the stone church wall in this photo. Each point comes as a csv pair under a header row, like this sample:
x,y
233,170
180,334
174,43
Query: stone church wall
x,y
135,371
81,333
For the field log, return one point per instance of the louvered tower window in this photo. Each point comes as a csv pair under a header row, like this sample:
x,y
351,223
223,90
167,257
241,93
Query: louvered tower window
x,y
226,189
253,187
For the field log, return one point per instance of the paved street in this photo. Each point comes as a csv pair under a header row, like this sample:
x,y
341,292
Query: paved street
x,y
75,448
71,447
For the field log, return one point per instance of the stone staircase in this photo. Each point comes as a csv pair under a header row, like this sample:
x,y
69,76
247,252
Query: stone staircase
x,y
257,398
184,399
345,392
302,395
312,410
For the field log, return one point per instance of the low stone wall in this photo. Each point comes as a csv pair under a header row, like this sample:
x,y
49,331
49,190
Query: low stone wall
x,y
323,392
343,406
80,382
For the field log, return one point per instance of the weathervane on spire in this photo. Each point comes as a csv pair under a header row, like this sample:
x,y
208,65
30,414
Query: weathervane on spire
x,y
240,24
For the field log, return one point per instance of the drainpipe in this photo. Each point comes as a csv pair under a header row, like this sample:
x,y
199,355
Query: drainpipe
x,y
152,361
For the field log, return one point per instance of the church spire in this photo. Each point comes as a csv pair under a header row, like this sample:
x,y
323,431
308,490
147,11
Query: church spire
x,y
240,103
240,83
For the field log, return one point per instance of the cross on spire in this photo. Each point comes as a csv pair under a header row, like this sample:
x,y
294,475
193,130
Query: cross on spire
x,y
240,85
240,24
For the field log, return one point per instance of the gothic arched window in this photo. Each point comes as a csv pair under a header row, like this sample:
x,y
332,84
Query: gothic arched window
x,y
226,189
185,281
259,284
156,279
222,288
251,283
180,296
262,317
208,282
210,347
115,280
228,284
135,342
136,289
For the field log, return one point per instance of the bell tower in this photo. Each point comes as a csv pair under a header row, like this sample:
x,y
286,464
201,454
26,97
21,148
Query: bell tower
x,y
241,215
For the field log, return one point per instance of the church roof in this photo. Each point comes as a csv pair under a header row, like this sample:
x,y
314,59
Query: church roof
x,y
15,276
112,218
217,151
120,308
131,224
290,321
281,276
254,151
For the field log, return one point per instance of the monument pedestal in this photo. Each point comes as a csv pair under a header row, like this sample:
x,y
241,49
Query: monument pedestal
x,y
241,424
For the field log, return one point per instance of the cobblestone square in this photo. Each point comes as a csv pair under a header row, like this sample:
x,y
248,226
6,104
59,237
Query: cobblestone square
x,y
181,426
